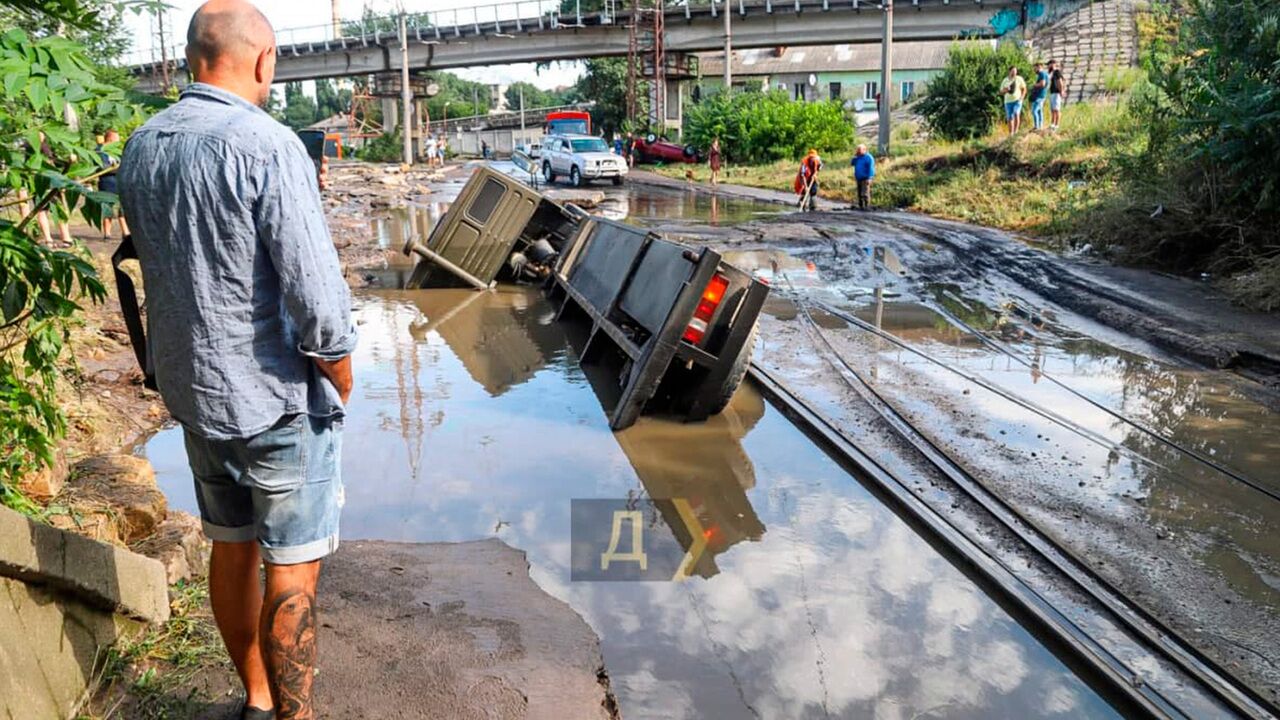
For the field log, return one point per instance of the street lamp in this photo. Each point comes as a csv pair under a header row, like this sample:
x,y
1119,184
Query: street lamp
x,y
446,116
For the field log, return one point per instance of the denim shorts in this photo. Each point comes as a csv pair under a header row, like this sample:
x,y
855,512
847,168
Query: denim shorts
x,y
281,487
1012,110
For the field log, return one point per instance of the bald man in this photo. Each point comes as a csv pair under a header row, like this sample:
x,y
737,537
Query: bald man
x,y
251,334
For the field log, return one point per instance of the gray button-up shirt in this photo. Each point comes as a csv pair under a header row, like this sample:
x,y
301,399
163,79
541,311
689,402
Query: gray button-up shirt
x,y
242,280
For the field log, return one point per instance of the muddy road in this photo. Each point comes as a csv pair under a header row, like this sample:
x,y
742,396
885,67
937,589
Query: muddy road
x,y
471,418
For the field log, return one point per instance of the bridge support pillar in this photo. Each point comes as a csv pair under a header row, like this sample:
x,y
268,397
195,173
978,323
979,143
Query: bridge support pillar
x,y
390,114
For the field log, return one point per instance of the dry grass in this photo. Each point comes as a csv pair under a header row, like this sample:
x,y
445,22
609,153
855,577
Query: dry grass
x,y
154,676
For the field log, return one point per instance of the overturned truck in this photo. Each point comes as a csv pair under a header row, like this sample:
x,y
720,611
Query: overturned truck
x,y
670,325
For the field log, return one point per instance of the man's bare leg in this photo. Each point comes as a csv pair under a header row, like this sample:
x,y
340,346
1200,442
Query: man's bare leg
x,y
288,634
235,591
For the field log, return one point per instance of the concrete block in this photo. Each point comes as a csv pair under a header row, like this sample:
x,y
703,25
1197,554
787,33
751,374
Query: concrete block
x,y
97,574
51,647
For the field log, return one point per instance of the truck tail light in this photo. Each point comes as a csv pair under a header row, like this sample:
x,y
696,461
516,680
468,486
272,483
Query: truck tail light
x,y
711,297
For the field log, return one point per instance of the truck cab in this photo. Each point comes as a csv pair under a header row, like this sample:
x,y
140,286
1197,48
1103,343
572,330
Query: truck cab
x,y
673,324
581,159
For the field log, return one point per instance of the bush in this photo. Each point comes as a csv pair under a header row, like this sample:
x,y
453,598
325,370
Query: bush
x,y
756,127
39,286
386,148
964,99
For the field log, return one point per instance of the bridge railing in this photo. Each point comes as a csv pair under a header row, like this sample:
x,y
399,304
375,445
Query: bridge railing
x,y
493,19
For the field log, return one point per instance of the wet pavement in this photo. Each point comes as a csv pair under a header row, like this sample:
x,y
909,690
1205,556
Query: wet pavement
x,y
1057,422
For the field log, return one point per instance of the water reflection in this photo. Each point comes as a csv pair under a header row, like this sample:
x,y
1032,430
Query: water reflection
x,y
817,602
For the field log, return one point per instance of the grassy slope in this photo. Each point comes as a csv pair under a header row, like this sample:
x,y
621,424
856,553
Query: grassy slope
x,y
1039,184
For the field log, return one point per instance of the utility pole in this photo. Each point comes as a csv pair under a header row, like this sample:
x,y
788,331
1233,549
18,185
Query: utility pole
x,y
886,77
522,139
164,52
337,18
406,93
728,47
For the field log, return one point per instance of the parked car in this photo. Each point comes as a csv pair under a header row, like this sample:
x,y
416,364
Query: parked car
x,y
651,148
581,158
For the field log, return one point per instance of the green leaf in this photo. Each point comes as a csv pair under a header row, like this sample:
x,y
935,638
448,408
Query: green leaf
x,y
13,301
38,93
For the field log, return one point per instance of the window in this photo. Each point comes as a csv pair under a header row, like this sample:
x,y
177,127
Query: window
x,y
870,89
908,90
834,90
797,91
590,145
486,201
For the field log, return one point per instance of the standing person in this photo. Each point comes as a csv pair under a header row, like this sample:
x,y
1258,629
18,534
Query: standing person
x,y
864,171
617,145
713,161
1014,88
442,148
1057,94
251,336
484,149
430,150
806,184
1039,91
107,183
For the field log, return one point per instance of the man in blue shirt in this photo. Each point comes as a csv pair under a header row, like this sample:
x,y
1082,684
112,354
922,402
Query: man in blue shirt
x,y
1039,91
250,336
864,170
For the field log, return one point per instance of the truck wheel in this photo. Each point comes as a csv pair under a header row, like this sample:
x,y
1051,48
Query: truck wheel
x,y
547,174
617,180
575,177
737,372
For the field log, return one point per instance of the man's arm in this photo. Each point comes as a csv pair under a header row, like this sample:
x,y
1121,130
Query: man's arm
x,y
292,226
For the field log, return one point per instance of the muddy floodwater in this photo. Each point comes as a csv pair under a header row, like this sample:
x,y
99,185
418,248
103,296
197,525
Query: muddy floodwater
x,y
471,418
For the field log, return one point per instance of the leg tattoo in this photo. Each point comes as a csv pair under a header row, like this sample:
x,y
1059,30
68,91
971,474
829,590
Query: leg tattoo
x,y
289,642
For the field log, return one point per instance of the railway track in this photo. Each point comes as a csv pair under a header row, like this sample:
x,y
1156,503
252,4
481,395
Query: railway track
x,y
1107,638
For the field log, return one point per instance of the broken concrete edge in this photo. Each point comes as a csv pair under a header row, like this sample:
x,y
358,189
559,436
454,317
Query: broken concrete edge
x,y
96,573
610,702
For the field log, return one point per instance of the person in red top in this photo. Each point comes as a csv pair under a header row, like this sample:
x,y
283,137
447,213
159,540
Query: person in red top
x,y
806,183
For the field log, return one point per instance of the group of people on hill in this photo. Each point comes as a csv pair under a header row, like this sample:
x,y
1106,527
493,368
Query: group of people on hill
x,y
1050,86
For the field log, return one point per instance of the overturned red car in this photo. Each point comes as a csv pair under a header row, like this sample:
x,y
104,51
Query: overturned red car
x,y
653,149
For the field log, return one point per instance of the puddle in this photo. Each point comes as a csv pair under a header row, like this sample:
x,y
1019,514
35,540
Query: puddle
x,y
471,418
1107,463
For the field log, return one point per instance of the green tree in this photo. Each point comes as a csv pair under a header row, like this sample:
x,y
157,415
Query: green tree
x,y
299,108
534,97
40,286
756,127
964,100
331,100
104,40
1220,109
604,82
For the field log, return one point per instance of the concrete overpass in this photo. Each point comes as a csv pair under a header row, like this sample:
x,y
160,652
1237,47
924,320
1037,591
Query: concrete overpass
x,y
535,31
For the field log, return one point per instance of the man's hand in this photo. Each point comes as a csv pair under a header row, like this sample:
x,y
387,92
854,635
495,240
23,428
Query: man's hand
x,y
339,373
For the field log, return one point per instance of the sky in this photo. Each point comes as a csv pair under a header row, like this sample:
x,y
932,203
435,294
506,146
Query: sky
x,y
285,14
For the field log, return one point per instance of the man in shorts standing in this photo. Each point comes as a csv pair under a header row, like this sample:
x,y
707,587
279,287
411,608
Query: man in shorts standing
x,y
250,336
1057,94
1014,88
